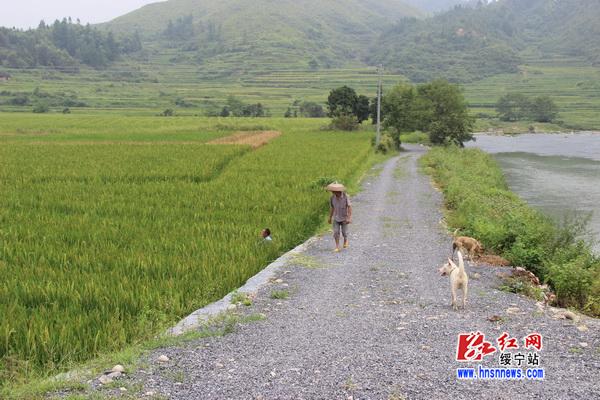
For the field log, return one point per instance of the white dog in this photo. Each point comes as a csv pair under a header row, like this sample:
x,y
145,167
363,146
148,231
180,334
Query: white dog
x,y
458,278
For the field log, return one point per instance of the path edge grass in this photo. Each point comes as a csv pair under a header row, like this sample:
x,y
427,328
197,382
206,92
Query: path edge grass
x,y
477,201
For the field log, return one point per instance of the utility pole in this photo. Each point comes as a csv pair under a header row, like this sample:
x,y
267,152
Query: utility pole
x,y
378,138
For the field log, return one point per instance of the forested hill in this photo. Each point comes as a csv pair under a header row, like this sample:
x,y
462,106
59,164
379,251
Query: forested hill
x,y
434,6
63,45
471,42
282,33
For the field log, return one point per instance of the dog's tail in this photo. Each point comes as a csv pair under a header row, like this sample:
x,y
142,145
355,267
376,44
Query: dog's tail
x,y
461,263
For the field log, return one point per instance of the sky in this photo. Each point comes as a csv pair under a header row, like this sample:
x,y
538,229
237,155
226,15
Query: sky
x,y
28,13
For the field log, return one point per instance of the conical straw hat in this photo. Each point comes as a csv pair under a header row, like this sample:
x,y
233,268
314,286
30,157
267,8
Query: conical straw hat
x,y
336,187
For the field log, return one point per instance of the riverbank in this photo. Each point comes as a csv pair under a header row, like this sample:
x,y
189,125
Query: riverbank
x,y
496,126
480,204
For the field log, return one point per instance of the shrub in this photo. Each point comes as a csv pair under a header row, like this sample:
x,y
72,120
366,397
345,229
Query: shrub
x,y
386,144
415,137
41,108
344,122
573,281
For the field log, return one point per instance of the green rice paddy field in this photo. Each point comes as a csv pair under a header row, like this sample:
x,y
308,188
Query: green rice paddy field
x,y
113,228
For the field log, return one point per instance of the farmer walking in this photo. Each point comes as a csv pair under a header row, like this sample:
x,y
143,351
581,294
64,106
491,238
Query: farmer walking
x,y
340,213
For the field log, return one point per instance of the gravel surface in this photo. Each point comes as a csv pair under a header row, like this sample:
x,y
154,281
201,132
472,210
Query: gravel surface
x,y
375,322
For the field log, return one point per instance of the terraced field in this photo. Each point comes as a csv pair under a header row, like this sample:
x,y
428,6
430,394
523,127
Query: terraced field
x,y
149,89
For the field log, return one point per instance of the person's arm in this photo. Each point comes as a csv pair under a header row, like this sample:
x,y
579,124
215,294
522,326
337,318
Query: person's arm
x,y
330,214
349,218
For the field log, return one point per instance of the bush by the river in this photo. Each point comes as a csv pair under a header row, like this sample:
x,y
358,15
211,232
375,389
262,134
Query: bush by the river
x,y
481,205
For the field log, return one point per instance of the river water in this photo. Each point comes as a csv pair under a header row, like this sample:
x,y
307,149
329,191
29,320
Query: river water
x,y
557,173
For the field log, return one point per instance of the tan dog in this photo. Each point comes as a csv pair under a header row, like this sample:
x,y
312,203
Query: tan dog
x,y
458,279
467,245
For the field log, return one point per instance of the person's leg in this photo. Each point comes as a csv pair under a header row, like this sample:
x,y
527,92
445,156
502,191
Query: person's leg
x,y
345,234
336,234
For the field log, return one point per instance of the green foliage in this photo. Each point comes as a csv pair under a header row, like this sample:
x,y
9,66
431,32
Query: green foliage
x,y
362,108
309,109
386,144
280,294
575,281
450,121
404,111
342,101
241,298
236,108
480,204
345,107
543,109
230,35
181,29
438,108
344,122
63,45
522,286
469,43
41,107
323,181
415,137
513,107
517,107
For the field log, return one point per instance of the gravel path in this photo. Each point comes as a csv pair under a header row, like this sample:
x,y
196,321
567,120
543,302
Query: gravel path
x,y
375,322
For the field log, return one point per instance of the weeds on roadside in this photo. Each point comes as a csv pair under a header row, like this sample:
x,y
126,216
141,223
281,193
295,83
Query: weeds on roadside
x,y
479,202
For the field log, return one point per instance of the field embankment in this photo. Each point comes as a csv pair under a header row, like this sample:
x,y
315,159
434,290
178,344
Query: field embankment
x,y
103,245
479,202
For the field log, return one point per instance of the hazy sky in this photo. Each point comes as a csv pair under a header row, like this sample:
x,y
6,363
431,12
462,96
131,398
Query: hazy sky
x,y
28,13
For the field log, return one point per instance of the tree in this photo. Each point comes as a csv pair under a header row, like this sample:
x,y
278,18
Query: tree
x,y
342,101
448,119
309,109
373,110
235,106
361,108
543,109
404,111
513,107
41,108
225,112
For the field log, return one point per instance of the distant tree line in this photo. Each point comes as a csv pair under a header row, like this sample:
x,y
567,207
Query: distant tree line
x,y
184,29
437,108
63,44
41,101
305,109
181,28
237,108
518,107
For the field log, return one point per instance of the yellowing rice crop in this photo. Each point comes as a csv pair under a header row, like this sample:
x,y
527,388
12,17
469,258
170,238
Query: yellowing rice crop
x,y
103,245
